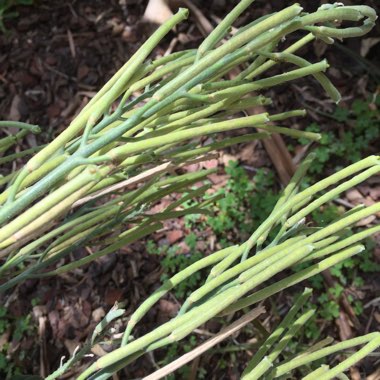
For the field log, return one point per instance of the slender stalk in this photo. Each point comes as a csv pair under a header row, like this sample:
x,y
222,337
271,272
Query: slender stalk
x,y
218,33
18,124
111,91
261,369
372,338
294,279
170,284
277,333
108,168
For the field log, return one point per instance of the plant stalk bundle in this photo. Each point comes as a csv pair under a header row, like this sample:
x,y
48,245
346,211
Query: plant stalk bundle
x,y
96,182
152,113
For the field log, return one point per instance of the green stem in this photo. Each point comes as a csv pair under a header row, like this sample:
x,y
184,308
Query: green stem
x,y
18,124
293,279
260,370
277,333
373,338
222,28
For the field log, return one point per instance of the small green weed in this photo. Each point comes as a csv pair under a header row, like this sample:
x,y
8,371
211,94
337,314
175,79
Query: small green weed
x,y
358,128
245,204
13,330
173,261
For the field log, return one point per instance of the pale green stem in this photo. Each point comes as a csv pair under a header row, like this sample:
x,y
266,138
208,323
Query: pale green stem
x,y
256,263
277,333
319,372
230,46
222,28
293,279
123,239
320,77
330,195
27,233
26,251
36,175
141,146
8,141
371,346
373,338
343,243
319,186
89,175
18,124
170,284
109,92
259,371
290,190
15,156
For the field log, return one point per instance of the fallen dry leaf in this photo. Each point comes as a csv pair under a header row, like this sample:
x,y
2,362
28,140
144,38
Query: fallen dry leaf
x,y
250,155
174,235
319,48
375,193
82,71
183,248
71,345
98,314
343,322
169,308
354,196
113,295
157,12
225,158
4,339
98,350
367,44
210,164
192,168
366,221
355,374
53,317
14,113
218,179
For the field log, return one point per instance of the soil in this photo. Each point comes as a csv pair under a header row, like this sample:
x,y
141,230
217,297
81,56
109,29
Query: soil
x,y
53,58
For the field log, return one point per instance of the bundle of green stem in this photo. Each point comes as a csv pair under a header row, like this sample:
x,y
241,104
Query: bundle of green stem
x,y
238,279
263,365
150,119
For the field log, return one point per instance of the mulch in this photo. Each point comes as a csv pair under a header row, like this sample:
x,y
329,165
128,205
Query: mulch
x,y
56,55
